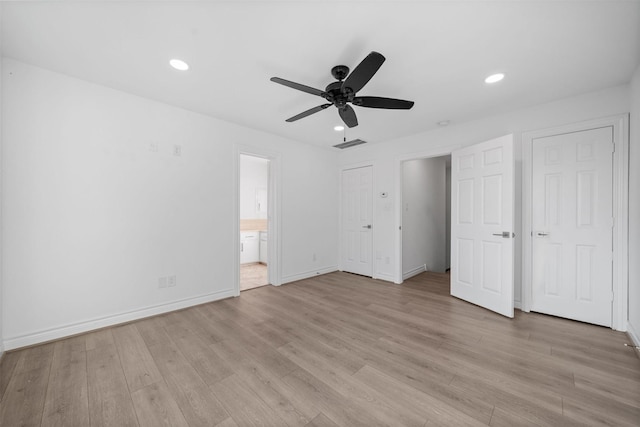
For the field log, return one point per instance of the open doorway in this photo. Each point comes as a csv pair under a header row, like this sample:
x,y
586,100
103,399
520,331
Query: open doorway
x,y
254,223
426,215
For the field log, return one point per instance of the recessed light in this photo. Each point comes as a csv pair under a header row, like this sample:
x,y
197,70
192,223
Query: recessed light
x,y
494,78
338,128
443,123
179,64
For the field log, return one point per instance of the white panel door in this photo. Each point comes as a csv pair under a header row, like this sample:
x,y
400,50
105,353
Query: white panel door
x,y
357,210
572,221
482,224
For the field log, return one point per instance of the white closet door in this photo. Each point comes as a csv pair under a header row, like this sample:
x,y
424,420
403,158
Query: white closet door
x,y
572,221
357,213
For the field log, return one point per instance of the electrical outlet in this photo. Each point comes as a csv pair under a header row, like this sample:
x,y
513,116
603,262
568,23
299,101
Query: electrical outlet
x,y
162,282
314,257
177,150
153,147
172,281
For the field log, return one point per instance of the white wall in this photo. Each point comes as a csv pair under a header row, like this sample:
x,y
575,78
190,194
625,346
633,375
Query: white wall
x,y
634,210
387,156
254,175
423,215
93,216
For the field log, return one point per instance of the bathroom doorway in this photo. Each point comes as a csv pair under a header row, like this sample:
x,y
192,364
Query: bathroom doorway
x,y
254,221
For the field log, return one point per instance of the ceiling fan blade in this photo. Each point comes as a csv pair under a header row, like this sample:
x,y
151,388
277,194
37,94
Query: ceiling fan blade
x,y
308,112
363,72
378,102
348,116
298,86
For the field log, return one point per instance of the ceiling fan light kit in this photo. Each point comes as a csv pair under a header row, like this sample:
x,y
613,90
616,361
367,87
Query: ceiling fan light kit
x,y
343,92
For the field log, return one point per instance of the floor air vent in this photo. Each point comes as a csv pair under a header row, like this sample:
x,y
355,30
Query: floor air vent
x,y
351,143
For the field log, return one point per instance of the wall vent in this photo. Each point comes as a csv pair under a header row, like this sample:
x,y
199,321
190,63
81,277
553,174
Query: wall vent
x,y
351,143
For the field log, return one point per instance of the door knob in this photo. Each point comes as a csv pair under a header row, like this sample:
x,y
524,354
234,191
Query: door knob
x,y
366,226
542,234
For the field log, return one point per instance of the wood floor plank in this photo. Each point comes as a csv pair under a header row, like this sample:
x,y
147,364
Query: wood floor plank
x,y
339,353
502,418
266,385
523,371
229,422
622,389
110,403
332,350
23,401
321,420
434,410
603,363
475,374
139,368
536,412
263,351
385,409
152,330
189,322
245,407
194,398
7,365
100,338
67,402
204,360
344,410
596,410
578,401
155,407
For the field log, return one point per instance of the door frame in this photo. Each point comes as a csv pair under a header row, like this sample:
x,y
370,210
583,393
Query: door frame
x,y
373,214
620,124
399,161
274,202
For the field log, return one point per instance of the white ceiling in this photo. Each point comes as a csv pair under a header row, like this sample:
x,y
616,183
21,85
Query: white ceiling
x,y
438,54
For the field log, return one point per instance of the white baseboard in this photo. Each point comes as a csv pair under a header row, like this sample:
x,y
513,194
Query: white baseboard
x,y
90,325
633,334
414,272
385,277
308,274
517,304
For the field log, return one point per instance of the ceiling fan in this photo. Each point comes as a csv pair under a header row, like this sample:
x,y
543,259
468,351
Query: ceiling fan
x,y
343,91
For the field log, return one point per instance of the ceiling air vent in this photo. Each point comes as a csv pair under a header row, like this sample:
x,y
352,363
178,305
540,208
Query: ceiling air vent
x,y
351,143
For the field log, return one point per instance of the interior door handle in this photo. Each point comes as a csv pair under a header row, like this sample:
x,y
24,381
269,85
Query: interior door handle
x,y
366,226
505,234
541,234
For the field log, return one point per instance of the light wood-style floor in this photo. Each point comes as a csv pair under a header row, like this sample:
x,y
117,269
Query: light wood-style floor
x,y
337,349
253,276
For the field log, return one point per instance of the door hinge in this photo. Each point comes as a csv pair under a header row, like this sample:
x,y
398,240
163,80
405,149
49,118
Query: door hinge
x,y
612,296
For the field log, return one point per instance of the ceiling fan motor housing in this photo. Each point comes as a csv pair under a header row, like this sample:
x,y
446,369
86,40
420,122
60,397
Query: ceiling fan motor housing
x,y
334,94
339,72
